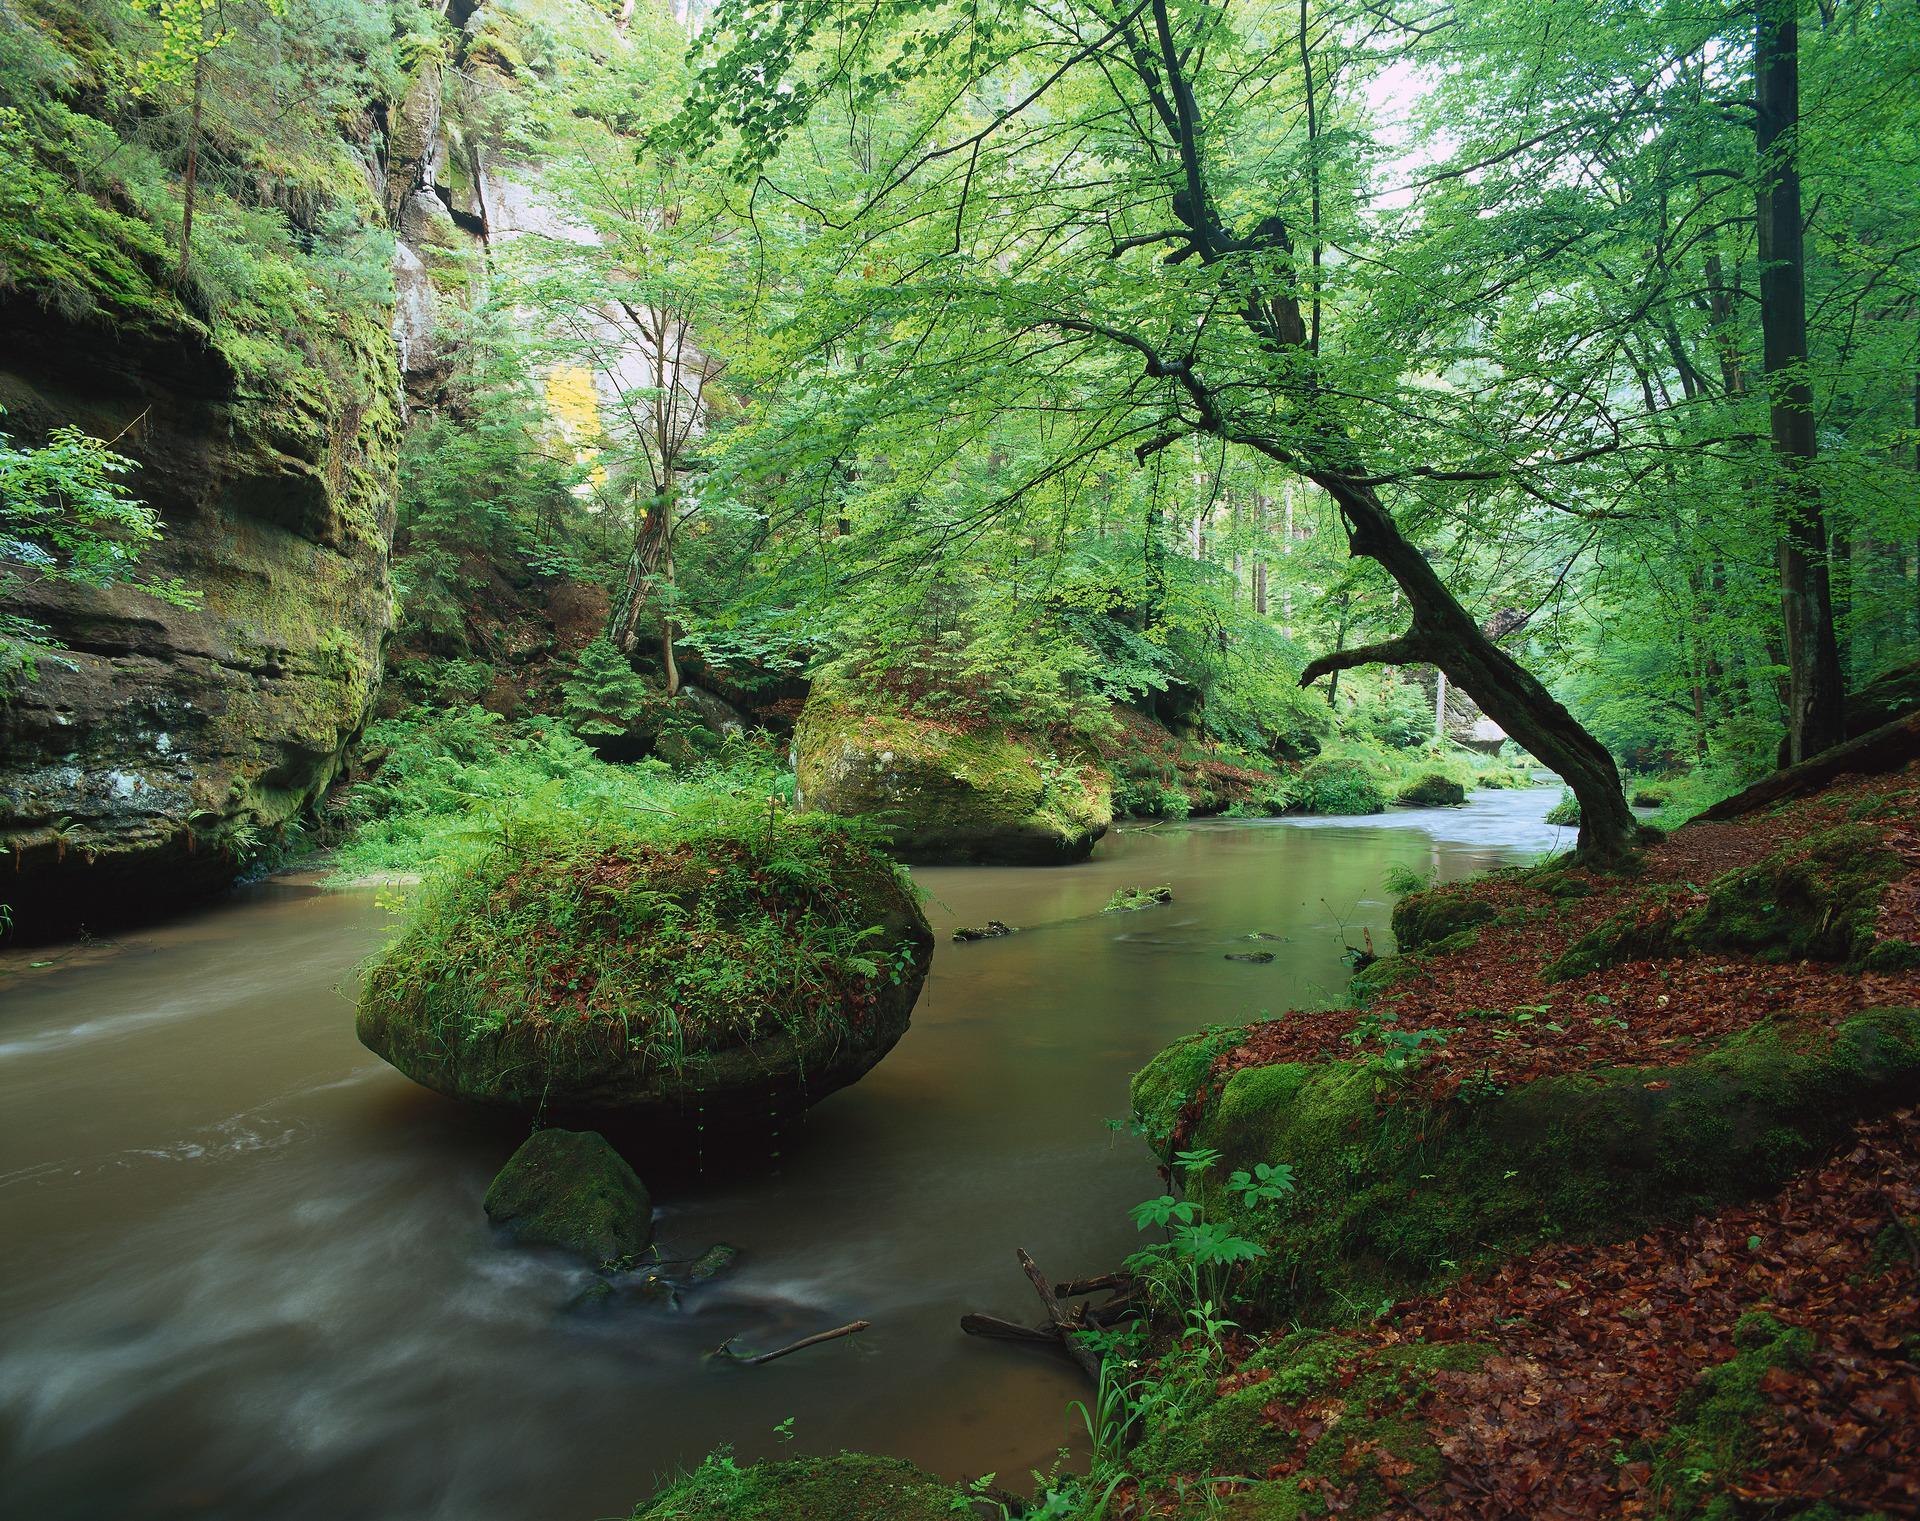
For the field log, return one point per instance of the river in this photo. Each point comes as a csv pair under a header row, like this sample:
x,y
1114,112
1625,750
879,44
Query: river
x,y
244,1271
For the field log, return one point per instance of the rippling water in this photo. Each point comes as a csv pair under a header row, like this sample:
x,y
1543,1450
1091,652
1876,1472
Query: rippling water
x,y
244,1270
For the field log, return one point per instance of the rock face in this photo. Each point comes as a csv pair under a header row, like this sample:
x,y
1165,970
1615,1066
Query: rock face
x,y
608,980
148,759
570,1189
949,795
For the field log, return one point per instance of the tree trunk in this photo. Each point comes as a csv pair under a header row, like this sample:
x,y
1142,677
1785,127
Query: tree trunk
x,y
1815,692
1445,635
192,172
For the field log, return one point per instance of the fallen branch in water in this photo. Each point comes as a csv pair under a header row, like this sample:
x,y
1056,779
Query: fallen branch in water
x,y
996,1329
725,1349
1069,1328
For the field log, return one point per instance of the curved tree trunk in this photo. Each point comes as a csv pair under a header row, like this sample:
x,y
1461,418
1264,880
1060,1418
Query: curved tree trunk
x,y
1444,634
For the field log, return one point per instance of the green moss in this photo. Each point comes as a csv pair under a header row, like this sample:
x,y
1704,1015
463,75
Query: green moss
x,y
1338,787
1167,1084
850,1487
1433,791
1367,1405
596,967
1423,920
1815,898
570,1189
1381,977
947,793
1389,1195
1716,1435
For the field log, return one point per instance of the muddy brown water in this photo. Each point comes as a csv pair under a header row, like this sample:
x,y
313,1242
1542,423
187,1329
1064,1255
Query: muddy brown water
x,y
244,1270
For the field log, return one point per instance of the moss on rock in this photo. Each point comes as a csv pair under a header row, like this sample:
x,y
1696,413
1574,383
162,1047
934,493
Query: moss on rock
x,y
1338,787
1388,1195
1422,920
600,973
948,794
570,1189
1815,898
1433,791
850,1487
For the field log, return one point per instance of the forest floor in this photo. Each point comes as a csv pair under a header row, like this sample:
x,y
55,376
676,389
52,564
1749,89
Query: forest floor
x,y
1759,1360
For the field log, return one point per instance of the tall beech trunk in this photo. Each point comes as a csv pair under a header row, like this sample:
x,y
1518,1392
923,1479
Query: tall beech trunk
x,y
1815,689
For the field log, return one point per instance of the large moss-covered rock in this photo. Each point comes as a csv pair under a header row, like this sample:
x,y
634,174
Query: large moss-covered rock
x,y
598,974
570,1189
854,1486
1390,1194
949,794
149,758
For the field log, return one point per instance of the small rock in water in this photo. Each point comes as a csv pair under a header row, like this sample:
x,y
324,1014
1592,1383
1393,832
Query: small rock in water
x,y
1127,899
570,1189
1258,958
993,929
711,1263
594,1297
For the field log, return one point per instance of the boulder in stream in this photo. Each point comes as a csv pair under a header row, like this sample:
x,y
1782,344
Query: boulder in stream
x,y
600,975
854,1486
570,1189
1432,791
949,794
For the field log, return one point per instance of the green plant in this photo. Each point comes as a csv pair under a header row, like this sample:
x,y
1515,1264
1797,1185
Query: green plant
x,y
1194,1267
1402,880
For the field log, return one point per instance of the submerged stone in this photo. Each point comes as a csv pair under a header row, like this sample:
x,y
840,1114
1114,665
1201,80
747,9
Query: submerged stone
x,y
1259,958
570,1189
993,929
715,1260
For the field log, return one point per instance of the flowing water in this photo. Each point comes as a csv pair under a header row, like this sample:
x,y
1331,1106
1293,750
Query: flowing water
x,y
244,1271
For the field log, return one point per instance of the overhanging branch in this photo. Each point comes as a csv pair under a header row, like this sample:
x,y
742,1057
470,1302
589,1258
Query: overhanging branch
x,y
1410,648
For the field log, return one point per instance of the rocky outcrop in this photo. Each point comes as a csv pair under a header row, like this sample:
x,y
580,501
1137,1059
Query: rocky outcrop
x,y
600,977
949,794
163,747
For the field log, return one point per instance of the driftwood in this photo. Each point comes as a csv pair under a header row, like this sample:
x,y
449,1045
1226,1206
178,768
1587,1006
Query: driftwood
x,y
1080,1287
995,1329
1886,748
725,1349
1069,1328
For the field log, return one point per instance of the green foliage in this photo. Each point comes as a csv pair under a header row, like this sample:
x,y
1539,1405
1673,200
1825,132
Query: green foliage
x,y
65,516
604,693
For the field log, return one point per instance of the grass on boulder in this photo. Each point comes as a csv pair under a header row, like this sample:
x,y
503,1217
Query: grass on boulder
x,y
622,966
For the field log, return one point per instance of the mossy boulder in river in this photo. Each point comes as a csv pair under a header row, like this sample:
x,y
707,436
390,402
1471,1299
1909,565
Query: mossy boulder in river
x,y
570,1189
1433,791
598,974
949,793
